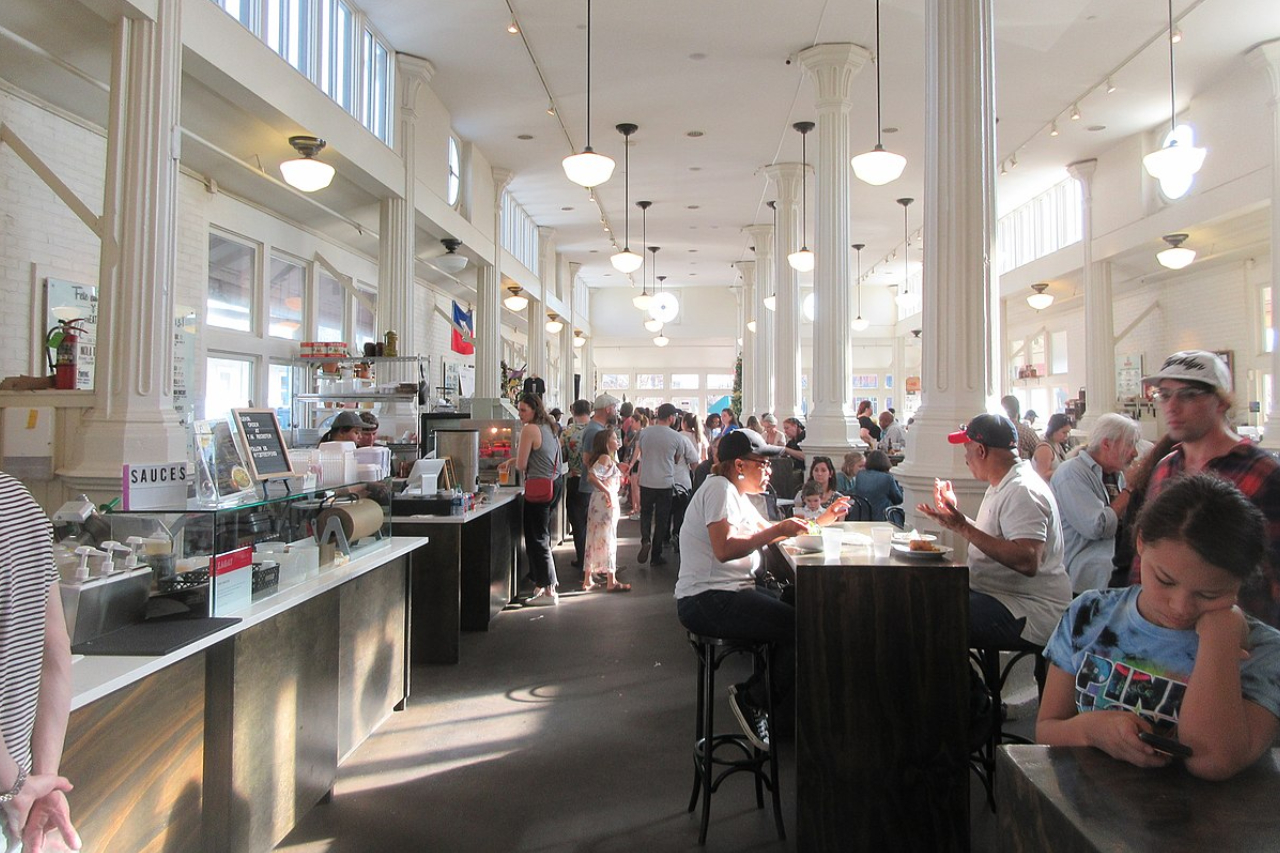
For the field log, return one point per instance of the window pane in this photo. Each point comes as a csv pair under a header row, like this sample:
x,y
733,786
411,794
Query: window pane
x,y
289,31
1268,334
719,380
284,299
649,381
1058,352
280,393
615,381
331,313
241,10
365,318
231,274
227,385
684,381
455,172
344,57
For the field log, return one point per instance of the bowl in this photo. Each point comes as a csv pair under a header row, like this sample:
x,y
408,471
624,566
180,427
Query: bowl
x,y
807,542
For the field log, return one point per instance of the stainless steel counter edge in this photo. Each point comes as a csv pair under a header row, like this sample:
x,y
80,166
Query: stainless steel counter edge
x,y
502,497
96,676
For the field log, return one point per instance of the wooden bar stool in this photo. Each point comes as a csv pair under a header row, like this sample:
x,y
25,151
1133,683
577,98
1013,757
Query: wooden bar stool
x,y
711,768
994,677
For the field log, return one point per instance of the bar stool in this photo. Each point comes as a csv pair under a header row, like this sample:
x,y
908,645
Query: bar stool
x,y
994,677
743,756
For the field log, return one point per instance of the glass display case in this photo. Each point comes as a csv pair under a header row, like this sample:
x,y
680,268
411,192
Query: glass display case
x,y
499,441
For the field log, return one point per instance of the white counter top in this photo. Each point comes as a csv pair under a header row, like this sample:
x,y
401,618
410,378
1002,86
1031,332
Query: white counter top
x,y
95,676
504,496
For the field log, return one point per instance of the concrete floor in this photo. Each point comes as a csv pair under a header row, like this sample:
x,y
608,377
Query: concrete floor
x,y
562,729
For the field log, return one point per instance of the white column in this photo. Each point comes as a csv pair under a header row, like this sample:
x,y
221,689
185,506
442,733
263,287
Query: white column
x,y
1267,57
566,339
831,425
959,316
748,311
1099,323
133,419
537,316
762,237
786,178
489,296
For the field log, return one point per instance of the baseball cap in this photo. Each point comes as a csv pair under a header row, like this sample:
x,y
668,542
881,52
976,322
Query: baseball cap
x,y
370,421
1194,365
992,430
667,410
745,442
347,419
604,401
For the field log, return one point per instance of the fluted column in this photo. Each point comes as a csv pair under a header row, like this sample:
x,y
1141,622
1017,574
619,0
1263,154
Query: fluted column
x,y
1267,57
537,316
831,425
762,238
489,304
959,316
567,349
133,419
1099,323
786,178
747,269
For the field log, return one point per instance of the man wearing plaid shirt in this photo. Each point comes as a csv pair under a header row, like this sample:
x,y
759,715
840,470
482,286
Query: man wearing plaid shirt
x,y
1193,388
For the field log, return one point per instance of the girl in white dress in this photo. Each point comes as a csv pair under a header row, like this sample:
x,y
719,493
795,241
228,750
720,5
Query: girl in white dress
x,y
602,513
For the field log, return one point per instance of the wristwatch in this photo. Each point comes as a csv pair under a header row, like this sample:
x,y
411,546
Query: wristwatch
x,y
8,795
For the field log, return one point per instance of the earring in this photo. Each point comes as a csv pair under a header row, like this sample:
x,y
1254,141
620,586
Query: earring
x,y
741,476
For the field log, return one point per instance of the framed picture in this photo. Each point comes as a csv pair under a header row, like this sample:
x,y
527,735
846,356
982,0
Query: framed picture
x,y
451,377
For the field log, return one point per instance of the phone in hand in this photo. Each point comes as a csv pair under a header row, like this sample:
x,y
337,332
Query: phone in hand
x,y
1168,746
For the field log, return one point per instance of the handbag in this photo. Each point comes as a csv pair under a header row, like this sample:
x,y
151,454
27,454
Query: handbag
x,y
541,490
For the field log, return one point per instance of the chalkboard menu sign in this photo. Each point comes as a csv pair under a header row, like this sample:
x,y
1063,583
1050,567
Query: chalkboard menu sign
x,y
265,450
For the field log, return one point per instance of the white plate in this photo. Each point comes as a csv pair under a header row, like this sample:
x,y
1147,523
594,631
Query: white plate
x,y
906,552
806,543
907,537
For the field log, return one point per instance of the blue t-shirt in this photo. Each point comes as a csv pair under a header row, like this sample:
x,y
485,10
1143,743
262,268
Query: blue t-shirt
x,y
1120,661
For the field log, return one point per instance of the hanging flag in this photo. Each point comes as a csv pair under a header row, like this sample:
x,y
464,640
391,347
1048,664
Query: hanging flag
x,y
463,340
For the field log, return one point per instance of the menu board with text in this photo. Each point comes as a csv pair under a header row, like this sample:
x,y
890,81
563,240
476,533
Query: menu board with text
x,y
265,450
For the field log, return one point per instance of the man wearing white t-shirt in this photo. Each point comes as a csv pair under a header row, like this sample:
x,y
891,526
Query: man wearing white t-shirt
x,y
1018,586
659,449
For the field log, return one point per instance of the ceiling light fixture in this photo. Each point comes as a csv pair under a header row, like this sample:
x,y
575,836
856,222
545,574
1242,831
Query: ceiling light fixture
x,y
808,306
554,325
802,261
515,301
1053,128
588,169
451,262
653,324
1111,85
751,325
859,324
1178,160
307,173
1075,112
904,293
771,301
513,27
661,340
1176,37
1177,255
1040,300
627,260
877,166
642,300
578,340
665,306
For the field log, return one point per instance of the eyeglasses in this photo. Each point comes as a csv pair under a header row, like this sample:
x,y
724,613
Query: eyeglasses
x,y
1182,395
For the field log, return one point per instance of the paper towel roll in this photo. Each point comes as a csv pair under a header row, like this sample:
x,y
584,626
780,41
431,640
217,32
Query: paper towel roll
x,y
360,519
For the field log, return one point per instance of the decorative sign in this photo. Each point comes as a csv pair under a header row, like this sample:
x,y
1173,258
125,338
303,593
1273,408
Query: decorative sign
x,y
913,385
162,486
1129,376
267,454
231,580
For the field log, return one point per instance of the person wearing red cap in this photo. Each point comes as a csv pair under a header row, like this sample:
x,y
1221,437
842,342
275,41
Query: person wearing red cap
x,y
1018,586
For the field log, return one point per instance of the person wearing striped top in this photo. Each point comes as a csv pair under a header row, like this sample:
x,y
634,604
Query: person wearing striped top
x,y
35,677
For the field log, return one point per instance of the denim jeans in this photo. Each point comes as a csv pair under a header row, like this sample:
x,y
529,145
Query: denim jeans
x,y
537,539
655,517
748,614
991,625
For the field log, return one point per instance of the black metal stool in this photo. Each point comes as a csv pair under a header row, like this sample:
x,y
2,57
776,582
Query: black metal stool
x,y
983,759
762,764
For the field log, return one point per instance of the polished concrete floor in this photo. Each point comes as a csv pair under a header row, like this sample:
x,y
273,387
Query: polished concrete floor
x,y
562,729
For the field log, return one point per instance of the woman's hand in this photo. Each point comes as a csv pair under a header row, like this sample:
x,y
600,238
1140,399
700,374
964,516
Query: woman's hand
x,y
1116,734
608,500
789,527
505,465
47,814
836,512
36,789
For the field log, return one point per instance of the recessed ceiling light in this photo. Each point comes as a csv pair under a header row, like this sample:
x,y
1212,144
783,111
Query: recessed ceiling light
x,y
595,251
696,57
1094,128
524,136
693,251
693,207
695,134
695,168
692,274
566,208
888,130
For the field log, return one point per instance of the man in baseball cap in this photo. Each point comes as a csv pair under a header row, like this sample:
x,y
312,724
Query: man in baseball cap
x,y
603,412
1193,390
1018,585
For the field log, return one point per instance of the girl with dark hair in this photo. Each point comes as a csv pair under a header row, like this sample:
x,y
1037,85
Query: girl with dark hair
x,y
602,513
1174,657
1052,452
539,457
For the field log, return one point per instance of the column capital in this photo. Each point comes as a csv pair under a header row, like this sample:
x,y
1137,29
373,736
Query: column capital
x,y
786,178
762,239
413,75
546,232
1266,56
833,67
748,270
1082,170
501,178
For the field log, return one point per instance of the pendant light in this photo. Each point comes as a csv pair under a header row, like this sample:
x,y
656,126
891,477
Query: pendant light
x,y
802,261
859,324
588,169
1040,300
904,296
877,166
306,173
642,300
554,324
1177,255
627,261
655,323
579,341
451,262
661,340
771,301
515,301
1178,160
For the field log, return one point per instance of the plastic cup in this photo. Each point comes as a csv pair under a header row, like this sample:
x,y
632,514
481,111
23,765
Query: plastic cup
x,y
831,542
881,540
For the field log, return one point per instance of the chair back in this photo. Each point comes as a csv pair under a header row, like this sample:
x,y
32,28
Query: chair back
x,y
896,515
859,509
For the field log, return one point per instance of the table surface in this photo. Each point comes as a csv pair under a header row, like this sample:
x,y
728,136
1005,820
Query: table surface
x,y
852,554
503,496
1085,800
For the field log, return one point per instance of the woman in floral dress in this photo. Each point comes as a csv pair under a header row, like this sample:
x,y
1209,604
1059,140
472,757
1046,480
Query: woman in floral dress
x,y
602,513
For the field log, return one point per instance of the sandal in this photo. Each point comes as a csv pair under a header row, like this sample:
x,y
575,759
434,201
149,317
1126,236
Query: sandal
x,y
619,587
590,587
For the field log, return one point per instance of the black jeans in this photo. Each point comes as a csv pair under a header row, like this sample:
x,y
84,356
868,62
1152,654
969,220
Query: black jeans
x,y
748,614
537,539
679,503
991,625
576,507
655,517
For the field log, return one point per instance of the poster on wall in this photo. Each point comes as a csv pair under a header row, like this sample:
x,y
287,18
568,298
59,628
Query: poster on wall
x,y
67,302
1128,377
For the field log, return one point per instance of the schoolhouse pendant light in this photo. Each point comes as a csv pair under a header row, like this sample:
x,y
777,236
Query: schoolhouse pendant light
x,y
627,261
771,301
878,167
1178,159
515,301
661,340
306,173
1040,300
588,169
859,323
578,340
904,293
1177,255
451,262
554,325
802,260
653,324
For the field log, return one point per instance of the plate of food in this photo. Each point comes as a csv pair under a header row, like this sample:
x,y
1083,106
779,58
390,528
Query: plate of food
x,y
920,549
806,543
906,536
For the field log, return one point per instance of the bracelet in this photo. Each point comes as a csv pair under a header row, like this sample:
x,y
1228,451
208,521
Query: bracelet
x,y
17,786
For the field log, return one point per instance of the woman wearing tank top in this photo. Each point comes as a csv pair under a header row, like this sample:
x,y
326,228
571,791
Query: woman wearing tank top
x,y
538,457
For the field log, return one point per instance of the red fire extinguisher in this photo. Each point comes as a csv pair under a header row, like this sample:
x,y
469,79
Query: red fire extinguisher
x,y
60,348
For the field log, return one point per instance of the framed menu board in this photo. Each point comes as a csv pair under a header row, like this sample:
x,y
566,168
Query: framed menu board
x,y
265,450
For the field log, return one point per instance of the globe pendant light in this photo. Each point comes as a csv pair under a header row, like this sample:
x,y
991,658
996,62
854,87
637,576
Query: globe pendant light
x,y
661,340
877,166
802,261
578,340
1178,160
643,300
588,169
554,324
515,301
771,301
627,261
307,173
1177,255
653,324
859,324
1040,300
451,262
665,307
904,295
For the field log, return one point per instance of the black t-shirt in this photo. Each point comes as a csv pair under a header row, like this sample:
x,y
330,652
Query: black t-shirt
x,y
793,444
870,426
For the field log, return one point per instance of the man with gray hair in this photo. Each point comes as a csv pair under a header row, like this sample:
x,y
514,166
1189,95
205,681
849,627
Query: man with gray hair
x,y
1090,511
